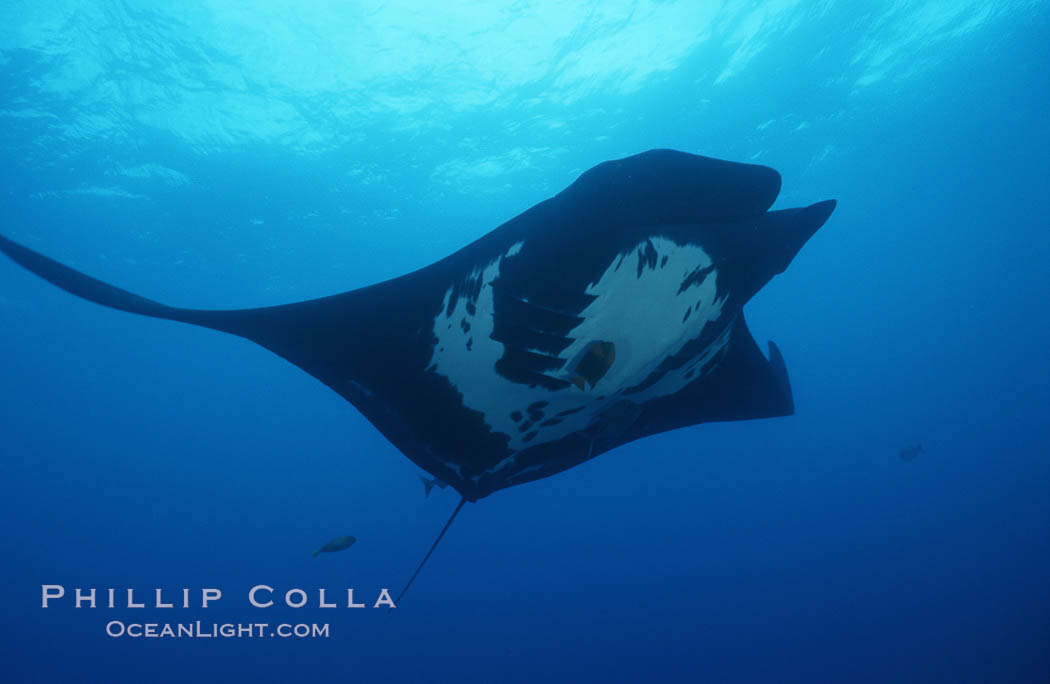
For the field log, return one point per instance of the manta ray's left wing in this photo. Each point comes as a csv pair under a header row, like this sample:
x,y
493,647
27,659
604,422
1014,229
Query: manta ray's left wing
x,y
331,337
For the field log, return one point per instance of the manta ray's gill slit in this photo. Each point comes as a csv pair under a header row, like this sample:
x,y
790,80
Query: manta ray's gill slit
x,y
519,358
514,334
540,317
558,302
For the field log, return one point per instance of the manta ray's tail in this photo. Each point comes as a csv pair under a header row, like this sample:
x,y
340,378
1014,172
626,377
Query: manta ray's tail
x,y
315,334
434,546
94,290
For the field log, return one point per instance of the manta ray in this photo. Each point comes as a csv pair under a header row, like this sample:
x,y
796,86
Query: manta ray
x,y
607,313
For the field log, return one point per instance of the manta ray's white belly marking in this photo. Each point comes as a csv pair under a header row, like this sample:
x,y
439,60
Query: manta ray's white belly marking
x,y
644,315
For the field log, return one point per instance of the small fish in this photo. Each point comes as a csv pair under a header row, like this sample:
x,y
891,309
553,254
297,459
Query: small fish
x,y
337,544
909,453
431,483
594,363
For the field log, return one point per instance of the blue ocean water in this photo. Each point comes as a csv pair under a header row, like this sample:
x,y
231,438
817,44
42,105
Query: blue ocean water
x,y
221,155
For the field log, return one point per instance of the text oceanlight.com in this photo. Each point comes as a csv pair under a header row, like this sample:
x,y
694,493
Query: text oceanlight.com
x,y
197,630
